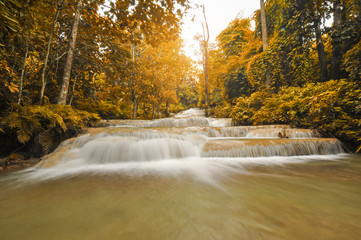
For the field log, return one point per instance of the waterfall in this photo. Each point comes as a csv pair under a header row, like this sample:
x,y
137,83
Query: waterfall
x,y
186,141
127,149
269,148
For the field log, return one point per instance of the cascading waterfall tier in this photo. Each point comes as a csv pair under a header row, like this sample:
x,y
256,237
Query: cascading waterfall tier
x,y
187,135
269,148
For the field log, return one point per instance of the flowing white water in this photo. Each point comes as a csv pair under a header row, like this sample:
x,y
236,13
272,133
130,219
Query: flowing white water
x,y
187,144
187,177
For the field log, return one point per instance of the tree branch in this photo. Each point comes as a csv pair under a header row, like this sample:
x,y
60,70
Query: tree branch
x,y
62,55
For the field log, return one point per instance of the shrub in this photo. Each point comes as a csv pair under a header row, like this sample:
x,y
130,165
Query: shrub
x,y
332,107
221,111
105,109
45,125
246,107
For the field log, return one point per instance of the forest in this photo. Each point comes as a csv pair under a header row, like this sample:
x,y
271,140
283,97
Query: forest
x,y
68,64
303,68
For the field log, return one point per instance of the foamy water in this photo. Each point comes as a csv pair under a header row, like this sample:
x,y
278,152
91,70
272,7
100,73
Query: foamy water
x,y
186,145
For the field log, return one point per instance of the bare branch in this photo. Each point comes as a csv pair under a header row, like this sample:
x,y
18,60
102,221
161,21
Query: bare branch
x,y
62,55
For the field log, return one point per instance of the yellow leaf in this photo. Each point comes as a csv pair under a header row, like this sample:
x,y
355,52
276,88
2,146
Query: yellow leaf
x,y
13,88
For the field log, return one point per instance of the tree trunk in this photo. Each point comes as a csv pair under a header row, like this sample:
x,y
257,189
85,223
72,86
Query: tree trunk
x,y
72,93
43,80
264,26
336,42
135,108
265,38
145,114
320,47
134,103
205,63
69,60
23,71
153,110
167,109
133,97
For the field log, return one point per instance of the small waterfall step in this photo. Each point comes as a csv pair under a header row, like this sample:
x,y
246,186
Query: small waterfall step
x,y
271,147
272,131
170,122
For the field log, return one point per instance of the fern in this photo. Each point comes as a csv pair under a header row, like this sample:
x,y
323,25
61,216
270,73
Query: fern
x,y
47,140
49,122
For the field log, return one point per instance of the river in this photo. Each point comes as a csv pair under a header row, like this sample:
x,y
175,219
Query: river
x,y
187,177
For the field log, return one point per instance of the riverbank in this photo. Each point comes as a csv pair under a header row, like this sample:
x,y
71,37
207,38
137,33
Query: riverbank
x,y
17,162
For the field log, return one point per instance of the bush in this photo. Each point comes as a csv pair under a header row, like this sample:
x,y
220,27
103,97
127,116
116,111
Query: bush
x,y
105,109
332,107
246,107
221,111
44,126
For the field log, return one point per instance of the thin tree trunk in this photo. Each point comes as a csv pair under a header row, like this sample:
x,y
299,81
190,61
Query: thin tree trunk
x,y
167,109
133,97
135,108
43,80
69,60
265,38
205,63
158,109
72,93
336,43
23,71
264,26
153,110
145,112
320,47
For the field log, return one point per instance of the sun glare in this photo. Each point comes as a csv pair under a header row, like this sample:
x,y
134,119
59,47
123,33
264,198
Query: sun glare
x,y
219,15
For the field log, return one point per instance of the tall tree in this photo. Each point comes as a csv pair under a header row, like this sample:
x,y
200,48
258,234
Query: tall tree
x,y
265,38
338,10
319,43
205,43
22,75
229,63
264,25
152,17
69,60
48,50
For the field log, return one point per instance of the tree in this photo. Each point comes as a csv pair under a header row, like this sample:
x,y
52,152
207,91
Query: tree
x,y
205,59
265,37
153,18
319,43
43,79
69,60
264,25
162,70
336,43
236,47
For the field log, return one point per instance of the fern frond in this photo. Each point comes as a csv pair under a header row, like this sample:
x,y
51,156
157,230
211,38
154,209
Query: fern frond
x,y
23,135
47,139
